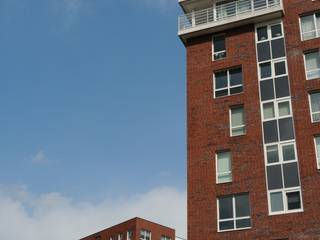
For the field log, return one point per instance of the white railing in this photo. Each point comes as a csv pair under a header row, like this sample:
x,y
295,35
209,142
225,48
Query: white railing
x,y
225,11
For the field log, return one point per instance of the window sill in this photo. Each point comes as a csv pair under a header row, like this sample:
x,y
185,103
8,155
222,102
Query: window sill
x,y
286,212
232,230
223,97
219,183
240,135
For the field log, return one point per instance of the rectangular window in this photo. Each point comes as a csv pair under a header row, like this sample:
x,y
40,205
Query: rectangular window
x,y
223,166
315,106
228,82
312,64
219,47
165,238
145,235
237,121
234,212
310,26
317,145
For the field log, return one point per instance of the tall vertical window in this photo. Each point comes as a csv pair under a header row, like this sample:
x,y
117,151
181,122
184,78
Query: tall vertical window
x,y
223,166
228,82
129,235
312,62
310,26
237,121
234,212
145,235
219,47
317,145
315,106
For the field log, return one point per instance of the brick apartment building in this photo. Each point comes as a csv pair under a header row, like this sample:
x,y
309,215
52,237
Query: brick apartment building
x,y
134,229
253,103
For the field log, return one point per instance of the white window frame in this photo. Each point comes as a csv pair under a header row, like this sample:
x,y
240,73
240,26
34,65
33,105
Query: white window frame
x,y
237,127
305,64
234,219
228,79
223,173
317,155
128,234
163,237
310,107
224,51
316,30
145,234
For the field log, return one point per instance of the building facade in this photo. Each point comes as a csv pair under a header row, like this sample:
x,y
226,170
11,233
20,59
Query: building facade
x,y
253,103
134,229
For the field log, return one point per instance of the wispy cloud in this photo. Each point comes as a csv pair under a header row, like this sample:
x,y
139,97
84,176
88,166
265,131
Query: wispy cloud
x,y
53,216
40,158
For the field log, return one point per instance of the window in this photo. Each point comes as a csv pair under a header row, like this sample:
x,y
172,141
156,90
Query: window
x,y
145,235
312,64
310,26
315,106
237,121
129,235
223,166
317,144
234,212
228,82
219,47
165,238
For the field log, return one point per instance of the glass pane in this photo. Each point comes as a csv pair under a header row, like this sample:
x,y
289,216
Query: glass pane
x,y
293,199
221,79
272,154
262,33
235,76
316,117
268,110
243,223
225,178
225,208
219,43
276,31
224,162
226,225
265,70
222,93
312,60
263,51
290,174
286,129
288,152
280,68
274,177
317,139
270,130
284,109
237,117
242,205
308,27
267,90
282,87
235,90
276,201
238,131
315,102
220,55
278,49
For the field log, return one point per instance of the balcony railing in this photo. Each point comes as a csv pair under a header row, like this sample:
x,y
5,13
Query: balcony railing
x,y
224,11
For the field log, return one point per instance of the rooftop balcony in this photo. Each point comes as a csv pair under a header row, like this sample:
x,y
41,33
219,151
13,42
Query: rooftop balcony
x,y
227,15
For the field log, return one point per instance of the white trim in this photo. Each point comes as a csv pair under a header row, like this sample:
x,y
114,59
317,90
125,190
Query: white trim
x,y
305,64
310,106
223,173
317,155
223,51
228,88
243,126
316,30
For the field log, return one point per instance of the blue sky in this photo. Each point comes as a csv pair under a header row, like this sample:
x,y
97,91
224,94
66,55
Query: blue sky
x,y
92,99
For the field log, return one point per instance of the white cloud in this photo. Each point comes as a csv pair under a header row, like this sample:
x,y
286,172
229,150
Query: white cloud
x,y
40,158
53,216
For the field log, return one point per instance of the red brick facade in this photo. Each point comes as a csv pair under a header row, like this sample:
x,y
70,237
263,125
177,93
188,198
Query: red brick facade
x,y
208,132
134,225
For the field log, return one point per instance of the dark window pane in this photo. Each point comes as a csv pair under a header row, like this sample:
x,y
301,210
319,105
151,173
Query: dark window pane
x,y
274,177
225,208
293,200
236,90
262,33
288,152
221,79
220,55
291,176
219,43
235,76
286,129
265,70
264,51
243,223
221,93
282,87
272,154
270,131
267,91
242,205
280,68
276,31
277,48
226,225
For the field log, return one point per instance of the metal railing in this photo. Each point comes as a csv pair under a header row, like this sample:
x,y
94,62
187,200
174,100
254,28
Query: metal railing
x,y
225,11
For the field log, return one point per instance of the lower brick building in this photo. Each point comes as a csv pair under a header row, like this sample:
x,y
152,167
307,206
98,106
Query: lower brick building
x,y
134,229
